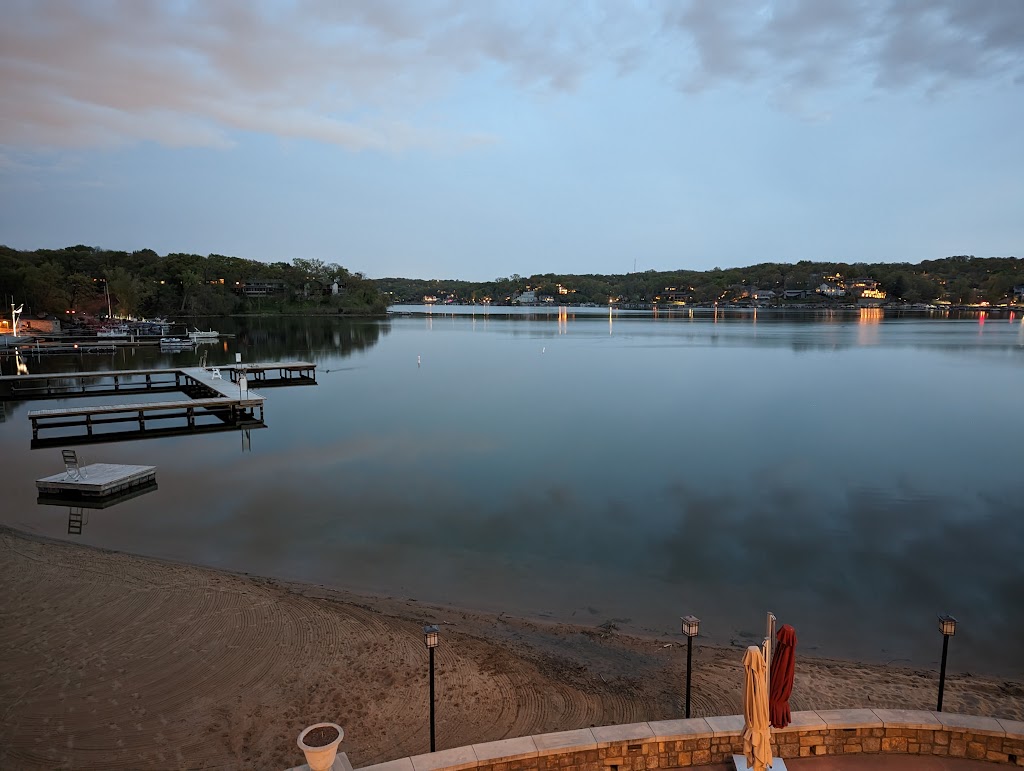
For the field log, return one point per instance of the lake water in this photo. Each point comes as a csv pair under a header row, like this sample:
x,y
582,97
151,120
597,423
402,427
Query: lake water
x,y
855,474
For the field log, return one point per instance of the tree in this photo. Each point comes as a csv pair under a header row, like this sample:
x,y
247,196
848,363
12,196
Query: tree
x,y
190,282
42,285
78,288
126,291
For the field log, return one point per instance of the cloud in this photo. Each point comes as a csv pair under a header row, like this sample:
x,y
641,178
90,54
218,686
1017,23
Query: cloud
x,y
106,73
807,44
370,75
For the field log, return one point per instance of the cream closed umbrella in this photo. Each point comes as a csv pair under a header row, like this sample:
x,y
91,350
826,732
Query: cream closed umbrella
x,y
757,738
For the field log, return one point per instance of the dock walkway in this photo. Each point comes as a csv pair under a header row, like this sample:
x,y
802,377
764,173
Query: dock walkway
x,y
64,384
211,397
200,375
233,411
288,373
61,384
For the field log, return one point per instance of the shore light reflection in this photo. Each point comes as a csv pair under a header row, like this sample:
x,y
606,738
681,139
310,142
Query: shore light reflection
x,y
868,325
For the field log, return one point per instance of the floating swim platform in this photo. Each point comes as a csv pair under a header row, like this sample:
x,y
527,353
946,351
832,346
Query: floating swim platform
x,y
80,502
97,480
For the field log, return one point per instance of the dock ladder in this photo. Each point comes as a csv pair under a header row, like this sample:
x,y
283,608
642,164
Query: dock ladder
x,y
76,518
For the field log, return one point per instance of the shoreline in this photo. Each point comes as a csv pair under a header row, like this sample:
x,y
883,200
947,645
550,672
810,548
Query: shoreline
x,y
136,662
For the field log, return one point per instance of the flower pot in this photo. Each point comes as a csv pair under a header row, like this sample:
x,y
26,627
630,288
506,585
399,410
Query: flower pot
x,y
321,752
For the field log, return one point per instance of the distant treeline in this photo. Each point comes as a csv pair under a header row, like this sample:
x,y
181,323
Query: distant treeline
x,y
958,280
143,283
83,279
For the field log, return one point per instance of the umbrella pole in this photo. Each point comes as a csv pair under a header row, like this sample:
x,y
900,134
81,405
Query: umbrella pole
x,y
942,672
689,668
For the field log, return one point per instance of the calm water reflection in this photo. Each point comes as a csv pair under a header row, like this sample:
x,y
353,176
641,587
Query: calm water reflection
x,y
854,474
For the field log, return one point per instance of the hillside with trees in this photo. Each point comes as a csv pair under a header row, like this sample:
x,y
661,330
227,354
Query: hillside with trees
x,y
960,280
143,283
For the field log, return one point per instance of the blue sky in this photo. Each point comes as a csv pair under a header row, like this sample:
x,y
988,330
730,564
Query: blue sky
x,y
472,139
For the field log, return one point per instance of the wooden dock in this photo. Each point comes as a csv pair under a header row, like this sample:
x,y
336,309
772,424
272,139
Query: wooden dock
x,y
214,402
64,384
54,349
288,373
234,411
98,480
107,382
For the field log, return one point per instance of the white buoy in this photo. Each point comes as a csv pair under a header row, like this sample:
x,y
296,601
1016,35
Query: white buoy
x,y
544,349
419,361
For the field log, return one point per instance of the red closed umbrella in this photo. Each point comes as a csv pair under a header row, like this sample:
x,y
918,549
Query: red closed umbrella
x,y
782,677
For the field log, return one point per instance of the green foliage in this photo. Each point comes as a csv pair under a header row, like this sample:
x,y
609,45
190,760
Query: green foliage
x,y
76,289
143,283
954,279
127,293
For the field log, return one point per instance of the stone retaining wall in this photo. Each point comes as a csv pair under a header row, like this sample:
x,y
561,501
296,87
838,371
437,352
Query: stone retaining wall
x,y
668,744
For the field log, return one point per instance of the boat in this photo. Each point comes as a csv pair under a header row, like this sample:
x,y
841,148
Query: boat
x,y
197,335
140,328
175,344
152,327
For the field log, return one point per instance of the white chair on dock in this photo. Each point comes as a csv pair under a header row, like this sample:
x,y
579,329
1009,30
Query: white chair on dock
x,y
216,374
72,467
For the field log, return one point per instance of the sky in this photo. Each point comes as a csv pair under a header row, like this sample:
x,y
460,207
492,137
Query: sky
x,y
474,139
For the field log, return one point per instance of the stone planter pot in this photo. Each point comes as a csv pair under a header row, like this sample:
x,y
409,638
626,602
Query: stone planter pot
x,y
320,758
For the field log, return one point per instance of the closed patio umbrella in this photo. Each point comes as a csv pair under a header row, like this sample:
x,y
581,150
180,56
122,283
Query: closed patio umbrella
x,y
782,677
757,740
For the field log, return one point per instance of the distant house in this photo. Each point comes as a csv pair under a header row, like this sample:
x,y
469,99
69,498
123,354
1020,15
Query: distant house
x,y
674,296
871,297
259,288
866,290
525,298
1018,293
861,283
829,289
795,294
762,295
858,286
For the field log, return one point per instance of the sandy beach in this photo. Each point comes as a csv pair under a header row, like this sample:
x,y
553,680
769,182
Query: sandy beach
x,y
111,661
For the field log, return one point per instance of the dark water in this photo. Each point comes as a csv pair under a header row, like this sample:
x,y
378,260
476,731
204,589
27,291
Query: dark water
x,y
855,474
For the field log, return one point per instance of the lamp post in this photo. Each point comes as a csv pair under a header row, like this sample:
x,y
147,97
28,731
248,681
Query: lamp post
x,y
431,635
691,624
947,625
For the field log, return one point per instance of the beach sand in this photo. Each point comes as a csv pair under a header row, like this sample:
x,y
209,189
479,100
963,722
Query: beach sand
x,y
111,661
